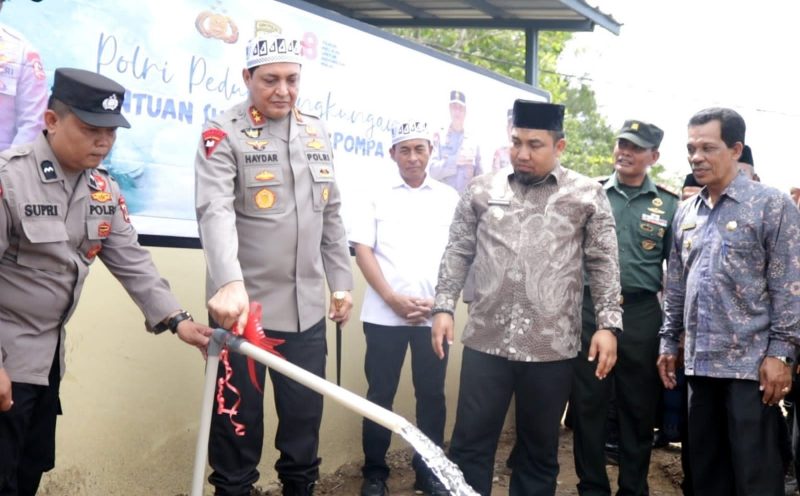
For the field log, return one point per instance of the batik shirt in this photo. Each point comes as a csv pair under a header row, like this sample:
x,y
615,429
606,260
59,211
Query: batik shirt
x,y
733,281
528,247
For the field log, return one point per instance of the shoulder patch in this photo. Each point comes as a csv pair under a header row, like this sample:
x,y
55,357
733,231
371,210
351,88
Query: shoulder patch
x,y
211,138
668,189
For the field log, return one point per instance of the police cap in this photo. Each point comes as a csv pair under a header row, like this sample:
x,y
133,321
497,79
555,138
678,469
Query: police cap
x,y
94,99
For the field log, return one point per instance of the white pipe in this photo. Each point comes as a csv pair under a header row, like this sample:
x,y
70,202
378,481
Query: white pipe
x,y
201,451
377,414
366,408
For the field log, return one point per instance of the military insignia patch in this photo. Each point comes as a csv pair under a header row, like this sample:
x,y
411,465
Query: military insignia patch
x,y
211,138
731,226
265,176
265,199
124,209
646,227
252,132
648,244
258,145
48,170
36,62
688,244
101,196
325,194
315,144
657,202
311,130
96,181
656,210
104,229
256,117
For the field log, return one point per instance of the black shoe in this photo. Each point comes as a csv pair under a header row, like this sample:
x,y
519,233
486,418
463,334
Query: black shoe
x,y
430,486
374,487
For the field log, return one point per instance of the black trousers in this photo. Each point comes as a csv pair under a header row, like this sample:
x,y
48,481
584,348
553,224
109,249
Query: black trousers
x,y
636,388
234,458
733,439
541,390
28,434
386,351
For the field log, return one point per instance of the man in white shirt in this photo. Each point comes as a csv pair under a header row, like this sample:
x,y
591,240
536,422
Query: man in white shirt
x,y
399,240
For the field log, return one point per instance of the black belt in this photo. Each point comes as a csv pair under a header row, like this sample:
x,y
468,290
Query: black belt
x,y
628,297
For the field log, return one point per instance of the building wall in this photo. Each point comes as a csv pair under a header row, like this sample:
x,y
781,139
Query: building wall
x,y
131,400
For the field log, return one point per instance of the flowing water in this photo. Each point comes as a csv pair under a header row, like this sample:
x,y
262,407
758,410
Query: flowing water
x,y
447,471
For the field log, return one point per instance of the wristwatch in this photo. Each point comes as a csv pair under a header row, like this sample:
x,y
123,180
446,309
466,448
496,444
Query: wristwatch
x,y
788,361
176,319
171,324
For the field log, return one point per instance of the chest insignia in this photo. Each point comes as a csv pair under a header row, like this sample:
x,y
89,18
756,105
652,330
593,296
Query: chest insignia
x,y
325,194
731,226
648,244
252,132
48,170
101,196
315,144
104,229
657,202
258,144
265,176
265,199
657,211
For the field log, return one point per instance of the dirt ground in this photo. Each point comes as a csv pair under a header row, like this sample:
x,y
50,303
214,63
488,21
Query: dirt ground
x,y
664,479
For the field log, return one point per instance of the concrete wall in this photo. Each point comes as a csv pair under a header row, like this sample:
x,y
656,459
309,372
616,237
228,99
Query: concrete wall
x,y
131,400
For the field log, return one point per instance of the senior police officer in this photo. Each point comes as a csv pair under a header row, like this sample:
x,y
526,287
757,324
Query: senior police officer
x,y
643,213
60,211
268,212
23,89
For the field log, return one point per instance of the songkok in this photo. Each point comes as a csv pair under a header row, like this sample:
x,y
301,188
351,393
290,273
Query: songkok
x,y
271,48
641,133
747,156
458,97
94,99
409,130
538,115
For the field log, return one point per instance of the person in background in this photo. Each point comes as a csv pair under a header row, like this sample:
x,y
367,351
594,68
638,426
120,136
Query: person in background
x,y
23,89
399,239
456,156
643,212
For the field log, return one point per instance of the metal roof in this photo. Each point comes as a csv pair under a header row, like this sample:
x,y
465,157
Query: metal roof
x,y
539,15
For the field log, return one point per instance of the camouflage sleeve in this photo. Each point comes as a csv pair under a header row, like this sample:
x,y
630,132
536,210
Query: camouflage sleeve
x,y
600,257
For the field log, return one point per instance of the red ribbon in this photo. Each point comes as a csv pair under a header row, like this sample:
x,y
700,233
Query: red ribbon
x,y
253,333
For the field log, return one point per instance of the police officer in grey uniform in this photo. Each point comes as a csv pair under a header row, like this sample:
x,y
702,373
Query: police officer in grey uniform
x,y
59,211
268,212
456,157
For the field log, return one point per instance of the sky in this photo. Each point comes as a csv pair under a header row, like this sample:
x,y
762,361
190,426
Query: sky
x,y
675,57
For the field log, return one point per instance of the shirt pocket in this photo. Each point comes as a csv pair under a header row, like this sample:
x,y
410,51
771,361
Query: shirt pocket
x,y
322,180
264,191
650,238
43,245
743,263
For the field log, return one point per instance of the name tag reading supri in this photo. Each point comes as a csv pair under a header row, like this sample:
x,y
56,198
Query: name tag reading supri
x,y
654,219
499,201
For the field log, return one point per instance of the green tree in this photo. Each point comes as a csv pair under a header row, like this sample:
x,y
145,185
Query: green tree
x,y
590,139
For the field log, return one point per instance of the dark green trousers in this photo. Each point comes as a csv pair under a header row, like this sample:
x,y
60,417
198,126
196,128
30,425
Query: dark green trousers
x,y
635,379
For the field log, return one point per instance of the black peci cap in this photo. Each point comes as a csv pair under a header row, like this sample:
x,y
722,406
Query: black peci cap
x,y
747,156
94,99
538,115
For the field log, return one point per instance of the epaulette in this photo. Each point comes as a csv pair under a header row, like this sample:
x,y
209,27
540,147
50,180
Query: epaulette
x,y
298,113
7,155
668,189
